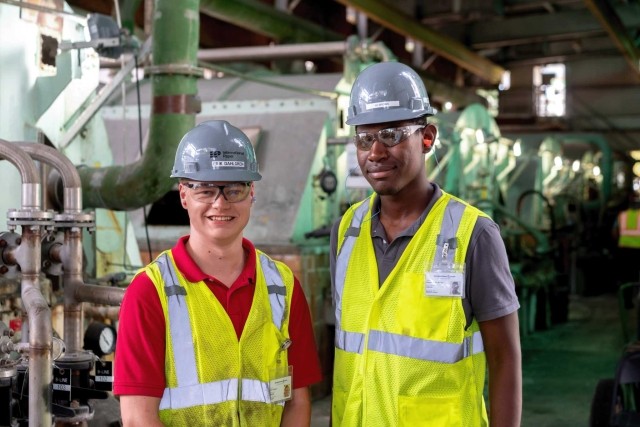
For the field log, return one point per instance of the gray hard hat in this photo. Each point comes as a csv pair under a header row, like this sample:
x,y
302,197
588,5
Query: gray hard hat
x,y
388,92
216,151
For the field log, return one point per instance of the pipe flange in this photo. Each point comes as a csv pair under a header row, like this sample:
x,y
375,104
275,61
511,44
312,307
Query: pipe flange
x,y
9,241
67,220
184,69
29,217
79,360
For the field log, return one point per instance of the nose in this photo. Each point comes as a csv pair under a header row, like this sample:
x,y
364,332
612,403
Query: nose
x,y
378,151
220,194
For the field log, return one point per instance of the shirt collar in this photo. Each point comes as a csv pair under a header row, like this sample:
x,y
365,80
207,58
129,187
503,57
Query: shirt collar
x,y
377,230
193,273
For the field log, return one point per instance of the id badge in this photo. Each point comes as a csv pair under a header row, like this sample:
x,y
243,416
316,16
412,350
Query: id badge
x,y
281,386
445,280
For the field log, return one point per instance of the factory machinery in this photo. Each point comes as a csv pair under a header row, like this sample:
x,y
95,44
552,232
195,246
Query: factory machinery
x,y
92,187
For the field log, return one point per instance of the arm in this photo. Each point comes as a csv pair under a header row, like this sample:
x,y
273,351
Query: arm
x,y
297,411
140,411
501,339
139,378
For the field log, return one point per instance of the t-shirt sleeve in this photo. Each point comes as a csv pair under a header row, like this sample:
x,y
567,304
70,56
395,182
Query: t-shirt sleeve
x,y
303,354
491,287
140,347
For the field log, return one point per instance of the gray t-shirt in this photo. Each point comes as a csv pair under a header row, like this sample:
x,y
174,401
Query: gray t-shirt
x,y
489,288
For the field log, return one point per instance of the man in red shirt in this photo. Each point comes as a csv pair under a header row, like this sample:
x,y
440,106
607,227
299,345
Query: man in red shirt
x,y
214,332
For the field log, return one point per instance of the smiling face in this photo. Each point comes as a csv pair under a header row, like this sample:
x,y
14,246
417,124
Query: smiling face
x,y
218,222
399,169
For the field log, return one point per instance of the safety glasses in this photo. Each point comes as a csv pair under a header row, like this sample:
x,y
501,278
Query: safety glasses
x,y
389,137
208,193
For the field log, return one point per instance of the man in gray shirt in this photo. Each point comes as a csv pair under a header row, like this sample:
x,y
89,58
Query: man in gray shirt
x,y
412,344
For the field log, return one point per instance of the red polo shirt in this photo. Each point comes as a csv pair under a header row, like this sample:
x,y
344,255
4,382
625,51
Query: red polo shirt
x,y
140,350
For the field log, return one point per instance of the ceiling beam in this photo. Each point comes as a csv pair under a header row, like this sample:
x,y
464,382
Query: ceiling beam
x,y
544,27
611,22
266,20
448,48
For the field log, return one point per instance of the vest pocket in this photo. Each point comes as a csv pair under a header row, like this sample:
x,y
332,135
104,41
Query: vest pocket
x,y
427,411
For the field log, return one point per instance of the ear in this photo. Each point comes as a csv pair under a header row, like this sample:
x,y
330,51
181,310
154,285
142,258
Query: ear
x,y
429,134
183,195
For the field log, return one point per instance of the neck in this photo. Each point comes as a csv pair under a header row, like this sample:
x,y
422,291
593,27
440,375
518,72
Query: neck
x,y
222,260
399,211
408,203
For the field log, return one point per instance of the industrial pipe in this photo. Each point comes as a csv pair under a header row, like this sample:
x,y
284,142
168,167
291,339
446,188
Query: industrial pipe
x,y
39,315
31,198
97,294
267,53
176,33
70,177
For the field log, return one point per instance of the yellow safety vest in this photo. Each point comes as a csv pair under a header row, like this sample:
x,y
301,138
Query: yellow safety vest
x,y
404,358
629,227
212,378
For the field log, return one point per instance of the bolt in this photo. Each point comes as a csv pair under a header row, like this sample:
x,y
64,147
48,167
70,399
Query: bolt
x,y
3,269
3,243
18,240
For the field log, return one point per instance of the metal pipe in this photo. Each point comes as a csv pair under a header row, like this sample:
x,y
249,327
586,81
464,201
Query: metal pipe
x,y
72,266
31,198
265,53
96,294
40,328
176,33
69,173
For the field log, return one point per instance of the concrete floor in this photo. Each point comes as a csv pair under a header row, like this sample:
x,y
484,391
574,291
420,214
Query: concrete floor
x,y
561,367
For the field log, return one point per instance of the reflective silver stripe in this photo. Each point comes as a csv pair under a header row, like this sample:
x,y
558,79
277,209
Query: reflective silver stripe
x,y
417,348
478,344
256,391
180,326
200,394
352,342
275,288
450,223
342,261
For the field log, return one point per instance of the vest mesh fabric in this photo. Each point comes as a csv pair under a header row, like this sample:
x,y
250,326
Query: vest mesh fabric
x,y
381,389
220,357
629,227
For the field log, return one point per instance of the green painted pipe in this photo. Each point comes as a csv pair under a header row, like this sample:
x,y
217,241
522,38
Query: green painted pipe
x,y
176,33
262,18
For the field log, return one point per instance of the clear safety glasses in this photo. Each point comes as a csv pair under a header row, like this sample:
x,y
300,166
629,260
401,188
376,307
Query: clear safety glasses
x,y
208,193
389,137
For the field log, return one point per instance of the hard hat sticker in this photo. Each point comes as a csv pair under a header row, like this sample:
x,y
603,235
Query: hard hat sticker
x,y
227,164
384,104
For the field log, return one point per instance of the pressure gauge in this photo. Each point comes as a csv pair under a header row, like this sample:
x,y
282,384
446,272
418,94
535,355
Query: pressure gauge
x,y
100,339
